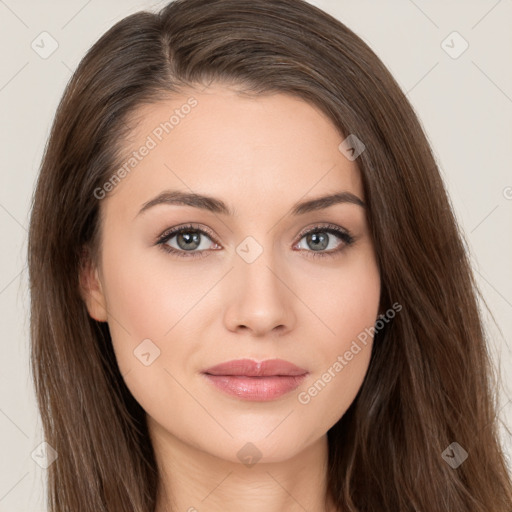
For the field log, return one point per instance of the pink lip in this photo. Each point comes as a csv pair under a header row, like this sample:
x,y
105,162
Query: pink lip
x,y
251,368
250,380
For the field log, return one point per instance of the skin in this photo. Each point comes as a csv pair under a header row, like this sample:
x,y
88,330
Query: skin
x,y
260,155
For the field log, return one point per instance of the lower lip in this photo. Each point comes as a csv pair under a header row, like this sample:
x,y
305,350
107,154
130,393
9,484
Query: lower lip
x,y
256,388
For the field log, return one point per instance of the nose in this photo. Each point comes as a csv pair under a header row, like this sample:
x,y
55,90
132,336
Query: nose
x,y
260,297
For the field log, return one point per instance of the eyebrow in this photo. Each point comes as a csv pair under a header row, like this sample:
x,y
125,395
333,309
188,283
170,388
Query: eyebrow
x,y
214,205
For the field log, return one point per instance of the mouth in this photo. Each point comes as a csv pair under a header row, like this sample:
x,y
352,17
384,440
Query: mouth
x,y
251,368
249,380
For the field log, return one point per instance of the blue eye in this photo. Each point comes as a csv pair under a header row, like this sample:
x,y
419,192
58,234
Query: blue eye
x,y
188,238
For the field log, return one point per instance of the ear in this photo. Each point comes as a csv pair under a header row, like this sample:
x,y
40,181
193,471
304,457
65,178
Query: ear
x,y
91,289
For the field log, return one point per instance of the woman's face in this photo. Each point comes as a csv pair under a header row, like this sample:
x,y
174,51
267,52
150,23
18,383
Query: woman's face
x,y
255,286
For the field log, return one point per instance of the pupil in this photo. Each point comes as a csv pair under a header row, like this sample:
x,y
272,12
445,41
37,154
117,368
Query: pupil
x,y
189,238
320,240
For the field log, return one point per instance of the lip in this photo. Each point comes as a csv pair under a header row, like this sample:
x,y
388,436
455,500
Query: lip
x,y
256,381
250,368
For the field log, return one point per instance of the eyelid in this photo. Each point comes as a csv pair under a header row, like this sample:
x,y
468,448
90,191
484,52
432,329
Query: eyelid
x,y
323,226
190,226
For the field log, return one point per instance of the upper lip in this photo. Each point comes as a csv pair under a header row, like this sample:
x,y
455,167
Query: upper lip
x,y
250,368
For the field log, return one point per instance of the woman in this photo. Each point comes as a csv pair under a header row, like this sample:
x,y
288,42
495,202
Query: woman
x,y
248,288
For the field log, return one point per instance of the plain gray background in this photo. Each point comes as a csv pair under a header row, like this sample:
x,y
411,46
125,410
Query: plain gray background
x,y
463,99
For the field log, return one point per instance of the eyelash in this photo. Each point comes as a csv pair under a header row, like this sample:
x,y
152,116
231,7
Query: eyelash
x,y
343,234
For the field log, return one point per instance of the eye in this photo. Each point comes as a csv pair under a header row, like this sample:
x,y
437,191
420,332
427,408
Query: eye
x,y
189,243
320,238
188,239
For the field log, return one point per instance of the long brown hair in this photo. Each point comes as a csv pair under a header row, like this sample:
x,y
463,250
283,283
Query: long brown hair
x,y
430,381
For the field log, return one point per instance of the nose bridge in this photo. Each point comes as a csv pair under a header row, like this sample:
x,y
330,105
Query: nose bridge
x,y
260,300
257,267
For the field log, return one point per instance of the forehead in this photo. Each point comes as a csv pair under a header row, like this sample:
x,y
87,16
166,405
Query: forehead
x,y
253,151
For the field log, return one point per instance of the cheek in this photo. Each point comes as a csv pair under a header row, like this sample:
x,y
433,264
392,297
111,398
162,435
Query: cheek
x,y
329,393
140,303
147,307
349,300
350,310
345,356
150,299
148,292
